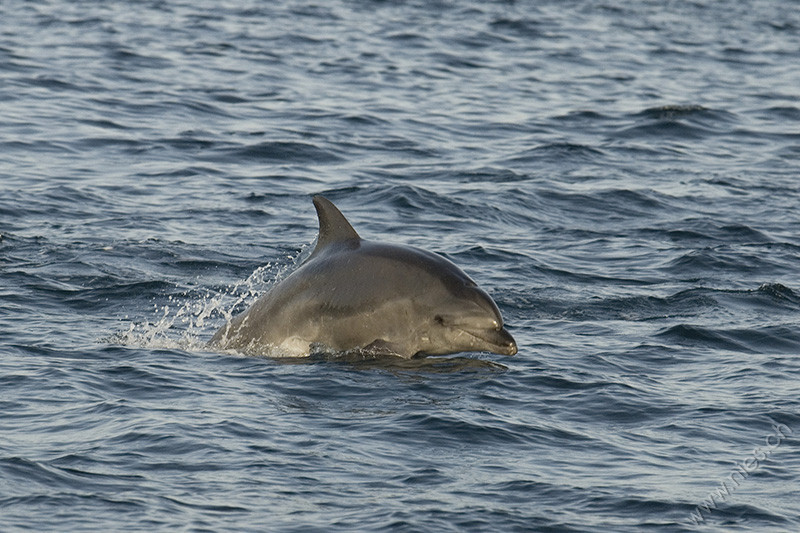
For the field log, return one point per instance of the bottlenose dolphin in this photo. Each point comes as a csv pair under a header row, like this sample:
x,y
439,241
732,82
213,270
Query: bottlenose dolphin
x,y
353,295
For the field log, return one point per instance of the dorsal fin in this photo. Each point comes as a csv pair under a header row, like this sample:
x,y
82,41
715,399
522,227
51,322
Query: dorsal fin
x,y
333,227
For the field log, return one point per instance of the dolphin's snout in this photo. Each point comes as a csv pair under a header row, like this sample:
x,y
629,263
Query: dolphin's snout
x,y
508,343
497,341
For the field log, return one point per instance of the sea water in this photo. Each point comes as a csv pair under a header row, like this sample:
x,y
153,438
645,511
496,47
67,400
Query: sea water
x,y
621,177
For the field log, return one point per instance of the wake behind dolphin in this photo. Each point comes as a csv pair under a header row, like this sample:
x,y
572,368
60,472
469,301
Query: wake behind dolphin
x,y
354,295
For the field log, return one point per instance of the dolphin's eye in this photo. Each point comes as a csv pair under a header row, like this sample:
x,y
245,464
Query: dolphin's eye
x,y
439,319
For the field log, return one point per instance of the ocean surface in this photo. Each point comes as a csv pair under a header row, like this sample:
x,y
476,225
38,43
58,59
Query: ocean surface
x,y
622,177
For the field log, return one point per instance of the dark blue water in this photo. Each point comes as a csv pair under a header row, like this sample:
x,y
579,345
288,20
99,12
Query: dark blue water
x,y
622,177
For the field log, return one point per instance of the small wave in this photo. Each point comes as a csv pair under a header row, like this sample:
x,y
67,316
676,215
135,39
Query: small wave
x,y
403,198
781,113
122,58
780,292
678,122
457,62
491,175
582,118
705,229
773,298
195,105
668,129
286,152
626,203
52,83
673,111
127,145
446,428
28,471
36,147
104,124
769,339
518,28
560,152
685,334
701,264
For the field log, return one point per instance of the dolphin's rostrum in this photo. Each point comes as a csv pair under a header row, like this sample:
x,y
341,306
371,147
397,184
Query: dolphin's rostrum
x,y
354,295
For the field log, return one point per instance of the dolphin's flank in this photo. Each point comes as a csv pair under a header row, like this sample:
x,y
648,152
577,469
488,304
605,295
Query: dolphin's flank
x,y
352,294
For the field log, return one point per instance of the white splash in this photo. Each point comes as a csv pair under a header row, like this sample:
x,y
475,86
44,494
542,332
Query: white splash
x,y
189,319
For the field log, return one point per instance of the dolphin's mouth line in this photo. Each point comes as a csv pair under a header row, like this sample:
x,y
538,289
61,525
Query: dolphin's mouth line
x,y
477,335
490,336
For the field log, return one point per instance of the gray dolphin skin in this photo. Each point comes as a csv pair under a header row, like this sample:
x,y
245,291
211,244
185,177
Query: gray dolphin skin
x,y
353,295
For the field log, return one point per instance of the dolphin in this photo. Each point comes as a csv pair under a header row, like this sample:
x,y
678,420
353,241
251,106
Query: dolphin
x,y
357,296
